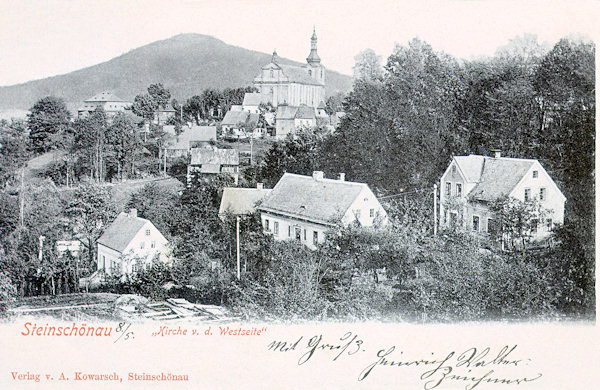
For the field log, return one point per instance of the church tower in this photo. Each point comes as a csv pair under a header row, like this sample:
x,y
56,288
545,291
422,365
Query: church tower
x,y
315,69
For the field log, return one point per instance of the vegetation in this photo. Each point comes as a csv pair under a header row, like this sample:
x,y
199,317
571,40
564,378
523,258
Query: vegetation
x,y
403,123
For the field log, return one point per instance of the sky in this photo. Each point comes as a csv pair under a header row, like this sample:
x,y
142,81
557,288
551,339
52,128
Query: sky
x,y
44,38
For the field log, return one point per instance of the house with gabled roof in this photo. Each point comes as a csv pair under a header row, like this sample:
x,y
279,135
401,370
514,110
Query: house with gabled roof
x,y
236,124
110,103
306,208
178,145
129,245
241,201
214,161
291,118
471,183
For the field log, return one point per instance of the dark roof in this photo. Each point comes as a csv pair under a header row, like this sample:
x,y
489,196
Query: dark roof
x,y
295,112
202,156
318,200
240,201
495,177
305,112
121,231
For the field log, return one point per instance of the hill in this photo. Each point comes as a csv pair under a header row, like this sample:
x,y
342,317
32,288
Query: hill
x,y
186,64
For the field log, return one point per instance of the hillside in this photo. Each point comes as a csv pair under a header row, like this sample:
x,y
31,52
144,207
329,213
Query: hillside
x,y
186,64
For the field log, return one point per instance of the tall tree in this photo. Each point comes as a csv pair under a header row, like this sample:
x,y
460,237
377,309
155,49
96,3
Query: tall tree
x,y
47,118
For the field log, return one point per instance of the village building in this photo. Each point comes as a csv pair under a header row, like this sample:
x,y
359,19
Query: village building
x,y
293,85
240,124
290,119
471,183
214,161
189,137
253,100
129,245
306,208
241,201
110,103
162,114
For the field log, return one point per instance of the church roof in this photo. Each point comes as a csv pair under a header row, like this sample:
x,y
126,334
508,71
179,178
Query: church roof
x,y
297,74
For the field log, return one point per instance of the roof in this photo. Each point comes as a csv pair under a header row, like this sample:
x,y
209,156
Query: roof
x,y
121,231
233,118
215,156
252,99
191,135
241,201
297,74
305,112
105,96
322,105
295,112
318,200
495,176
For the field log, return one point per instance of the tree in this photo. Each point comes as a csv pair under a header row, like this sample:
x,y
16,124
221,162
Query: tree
x,y
47,118
90,143
367,66
160,96
144,106
123,138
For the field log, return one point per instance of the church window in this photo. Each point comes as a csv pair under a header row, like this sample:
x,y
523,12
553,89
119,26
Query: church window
x,y
310,72
271,73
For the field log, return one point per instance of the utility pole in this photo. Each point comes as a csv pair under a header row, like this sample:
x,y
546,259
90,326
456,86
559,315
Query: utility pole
x,y
435,209
22,200
251,144
237,246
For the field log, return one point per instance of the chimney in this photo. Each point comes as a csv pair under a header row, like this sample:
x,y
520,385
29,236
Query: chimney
x,y
497,153
260,186
342,176
317,175
133,213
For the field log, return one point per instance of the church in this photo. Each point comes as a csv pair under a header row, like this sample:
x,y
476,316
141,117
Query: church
x,y
291,85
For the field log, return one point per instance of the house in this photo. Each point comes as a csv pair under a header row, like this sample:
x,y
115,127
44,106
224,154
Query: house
x,y
130,244
305,208
162,114
253,100
471,183
241,201
110,103
190,137
239,124
290,118
73,247
214,161
294,85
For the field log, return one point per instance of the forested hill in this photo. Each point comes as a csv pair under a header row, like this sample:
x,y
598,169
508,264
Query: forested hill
x,y
186,64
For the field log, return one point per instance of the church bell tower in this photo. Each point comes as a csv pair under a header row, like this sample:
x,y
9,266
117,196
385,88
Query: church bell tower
x,y
313,60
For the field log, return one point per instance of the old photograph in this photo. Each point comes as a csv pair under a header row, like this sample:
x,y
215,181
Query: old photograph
x,y
260,162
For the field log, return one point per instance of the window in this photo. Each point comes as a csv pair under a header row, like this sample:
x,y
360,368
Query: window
x,y
357,214
542,194
310,72
535,174
297,233
491,226
304,234
103,261
527,195
475,223
147,232
534,225
289,231
315,237
458,189
266,224
549,224
271,73
448,189
372,213
153,244
276,228
454,169
142,245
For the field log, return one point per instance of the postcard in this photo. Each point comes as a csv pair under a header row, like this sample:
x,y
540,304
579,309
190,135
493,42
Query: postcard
x,y
298,195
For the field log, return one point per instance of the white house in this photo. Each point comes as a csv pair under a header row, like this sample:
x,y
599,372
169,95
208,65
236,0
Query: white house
x,y
290,118
214,161
305,208
471,182
190,137
110,103
130,244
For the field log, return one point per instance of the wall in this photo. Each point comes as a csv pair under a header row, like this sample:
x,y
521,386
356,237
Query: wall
x,y
286,223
